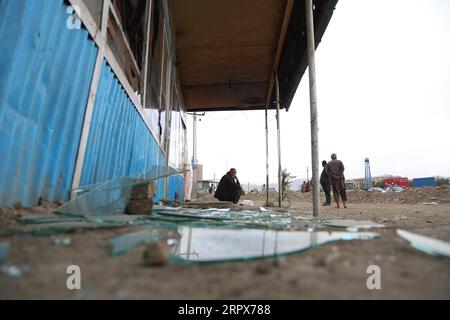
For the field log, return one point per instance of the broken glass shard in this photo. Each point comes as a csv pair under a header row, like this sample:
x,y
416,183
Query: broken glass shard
x,y
46,229
62,241
15,271
358,224
165,208
5,247
127,242
249,219
426,244
112,197
215,245
122,219
47,218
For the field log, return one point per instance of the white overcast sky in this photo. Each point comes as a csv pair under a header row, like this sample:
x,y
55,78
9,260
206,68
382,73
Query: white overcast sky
x,y
383,83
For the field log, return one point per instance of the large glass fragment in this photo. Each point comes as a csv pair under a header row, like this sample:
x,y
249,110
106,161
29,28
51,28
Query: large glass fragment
x,y
111,197
127,242
426,244
215,245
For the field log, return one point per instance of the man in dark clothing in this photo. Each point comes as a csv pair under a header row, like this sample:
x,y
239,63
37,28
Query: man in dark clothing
x,y
335,170
326,184
229,188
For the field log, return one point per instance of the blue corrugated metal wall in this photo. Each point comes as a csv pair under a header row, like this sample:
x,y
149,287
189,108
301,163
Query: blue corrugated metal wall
x,y
119,142
45,76
176,187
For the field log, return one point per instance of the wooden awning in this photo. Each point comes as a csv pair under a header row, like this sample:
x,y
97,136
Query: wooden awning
x,y
227,50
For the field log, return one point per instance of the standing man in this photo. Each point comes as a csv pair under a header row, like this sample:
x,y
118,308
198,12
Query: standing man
x,y
335,170
326,184
229,188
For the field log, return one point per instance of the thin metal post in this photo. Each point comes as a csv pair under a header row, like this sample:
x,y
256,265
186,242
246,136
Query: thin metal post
x,y
194,157
267,160
278,139
313,106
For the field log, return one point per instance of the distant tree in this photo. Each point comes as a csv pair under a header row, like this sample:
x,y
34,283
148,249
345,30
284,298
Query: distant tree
x,y
442,181
286,181
378,184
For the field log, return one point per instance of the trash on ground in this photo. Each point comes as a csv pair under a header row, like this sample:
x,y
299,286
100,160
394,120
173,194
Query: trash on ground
x,y
246,203
394,189
433,203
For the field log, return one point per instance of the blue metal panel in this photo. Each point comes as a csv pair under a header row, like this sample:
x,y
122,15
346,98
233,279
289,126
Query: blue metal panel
x,y
424,182
45,76
176,187
119,142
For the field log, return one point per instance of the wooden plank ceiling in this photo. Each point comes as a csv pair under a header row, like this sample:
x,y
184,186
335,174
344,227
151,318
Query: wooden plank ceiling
x,y
225,51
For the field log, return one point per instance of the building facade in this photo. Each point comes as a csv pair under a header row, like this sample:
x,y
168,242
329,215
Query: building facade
x,y
89,91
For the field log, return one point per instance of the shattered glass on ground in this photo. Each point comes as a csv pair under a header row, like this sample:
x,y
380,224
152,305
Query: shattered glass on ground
x,y
218,245
429,245
196,234
202,245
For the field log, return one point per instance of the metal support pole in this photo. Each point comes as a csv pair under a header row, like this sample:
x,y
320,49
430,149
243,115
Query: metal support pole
x,y
267,160
194,157
278,138
313,106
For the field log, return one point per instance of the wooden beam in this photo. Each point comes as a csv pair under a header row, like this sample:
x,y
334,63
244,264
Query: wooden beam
x,y
144,78
123,37
90,103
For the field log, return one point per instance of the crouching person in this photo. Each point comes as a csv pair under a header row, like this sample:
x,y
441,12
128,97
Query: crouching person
x,y
229,188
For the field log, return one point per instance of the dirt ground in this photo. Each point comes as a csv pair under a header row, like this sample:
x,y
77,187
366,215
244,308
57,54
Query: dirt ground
x,y
333,271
